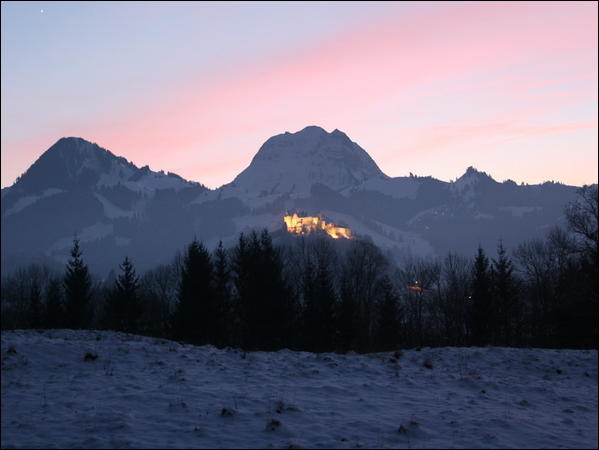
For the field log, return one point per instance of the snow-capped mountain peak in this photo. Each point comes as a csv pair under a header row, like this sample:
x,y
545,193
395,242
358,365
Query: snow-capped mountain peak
x,y
69,163
73,162
470,179
293,162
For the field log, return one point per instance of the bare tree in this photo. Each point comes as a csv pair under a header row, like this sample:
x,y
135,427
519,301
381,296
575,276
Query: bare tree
x,y
454,304
419,282
364,268
582,219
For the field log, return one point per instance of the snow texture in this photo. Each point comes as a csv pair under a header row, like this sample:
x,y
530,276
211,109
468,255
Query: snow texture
x,y
466,184
29,200
429,214
110,210
291,163
382,238
91,233
153,393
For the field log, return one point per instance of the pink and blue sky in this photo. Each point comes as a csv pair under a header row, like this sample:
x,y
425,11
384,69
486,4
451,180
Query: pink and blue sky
x,y
196,88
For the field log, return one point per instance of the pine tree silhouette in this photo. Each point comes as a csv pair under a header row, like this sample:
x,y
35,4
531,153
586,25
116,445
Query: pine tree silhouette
x,y
123,306
224,330
77,286
266,309
195,311
482,307
504,292
240,264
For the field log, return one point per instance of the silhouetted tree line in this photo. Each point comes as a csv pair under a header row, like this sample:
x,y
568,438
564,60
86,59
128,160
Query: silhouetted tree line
x,y
313,296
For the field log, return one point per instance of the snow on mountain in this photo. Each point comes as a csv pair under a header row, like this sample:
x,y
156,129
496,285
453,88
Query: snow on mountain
x,y
427,214
151,182
145,392
141,180
467,183
470,178
74,162
29,200
291,163
403,242
112,211
77,188
95,232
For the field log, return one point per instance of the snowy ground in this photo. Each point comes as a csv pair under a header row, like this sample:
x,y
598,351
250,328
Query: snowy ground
x,y
145,392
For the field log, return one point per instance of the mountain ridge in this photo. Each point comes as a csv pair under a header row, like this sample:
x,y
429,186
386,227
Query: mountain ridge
x,y
88,143
119,209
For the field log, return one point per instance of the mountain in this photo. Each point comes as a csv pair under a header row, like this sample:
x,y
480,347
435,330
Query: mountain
x,y
116,208
78,188
292,163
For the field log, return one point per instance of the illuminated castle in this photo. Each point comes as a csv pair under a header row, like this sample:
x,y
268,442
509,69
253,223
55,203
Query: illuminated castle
x,y
304,225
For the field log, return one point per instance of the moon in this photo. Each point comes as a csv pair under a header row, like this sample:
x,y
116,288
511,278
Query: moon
x,y
42,11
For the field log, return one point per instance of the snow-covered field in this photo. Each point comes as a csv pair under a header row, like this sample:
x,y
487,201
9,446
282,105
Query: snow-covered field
x,y
146,392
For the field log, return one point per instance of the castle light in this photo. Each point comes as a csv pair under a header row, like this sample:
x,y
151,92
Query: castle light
x,y
308,224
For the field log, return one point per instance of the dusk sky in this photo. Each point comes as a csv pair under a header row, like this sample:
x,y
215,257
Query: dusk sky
x,y
196,88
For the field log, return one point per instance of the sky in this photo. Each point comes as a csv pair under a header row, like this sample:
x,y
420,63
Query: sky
x,y
197,88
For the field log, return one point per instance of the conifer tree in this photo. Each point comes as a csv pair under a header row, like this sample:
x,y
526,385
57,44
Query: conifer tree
x,y
123,307
279,300
266,309
482,307
195,311
504,293
223,307
241,281
77,287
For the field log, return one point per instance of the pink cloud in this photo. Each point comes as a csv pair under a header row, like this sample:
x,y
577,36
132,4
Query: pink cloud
x,y
435,138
